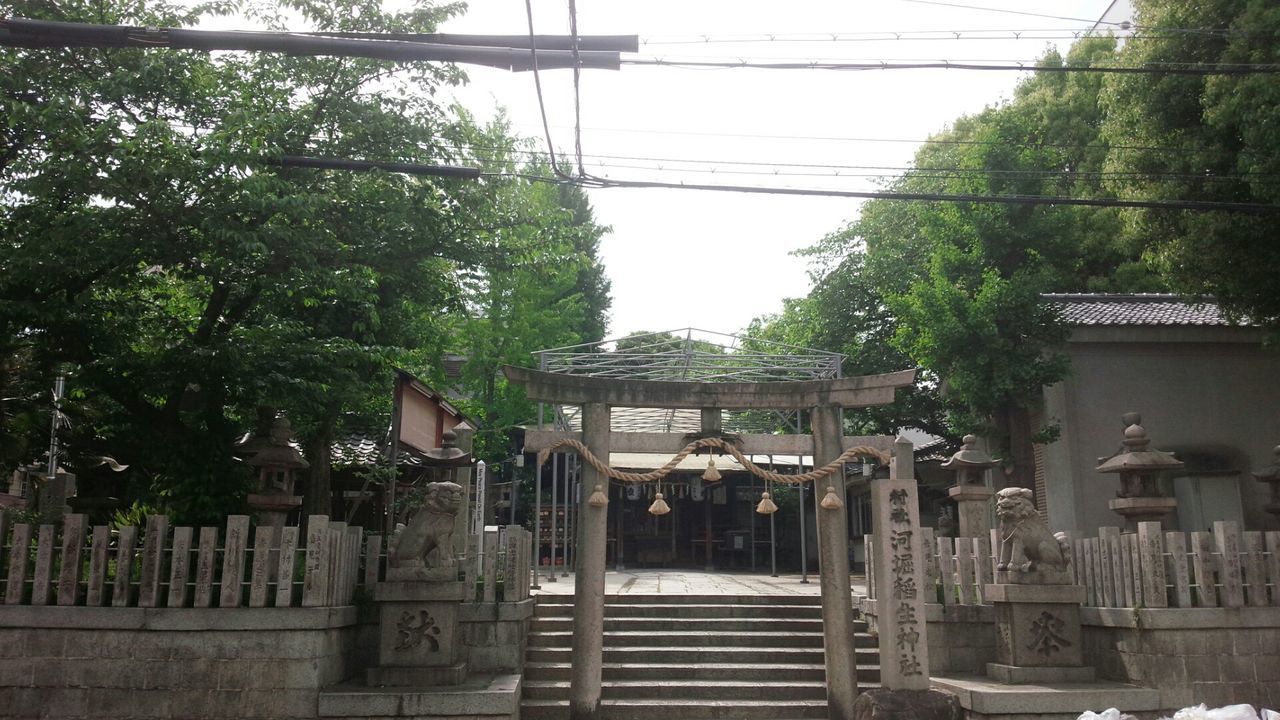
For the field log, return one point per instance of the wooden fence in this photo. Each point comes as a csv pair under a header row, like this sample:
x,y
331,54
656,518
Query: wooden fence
x,y
1149,568
178,568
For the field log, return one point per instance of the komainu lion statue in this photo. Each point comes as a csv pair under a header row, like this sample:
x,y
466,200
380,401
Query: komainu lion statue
x,y
1019,521
427,542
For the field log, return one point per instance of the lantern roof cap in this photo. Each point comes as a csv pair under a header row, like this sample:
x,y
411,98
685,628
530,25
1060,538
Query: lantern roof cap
x,y
970,457
1135,453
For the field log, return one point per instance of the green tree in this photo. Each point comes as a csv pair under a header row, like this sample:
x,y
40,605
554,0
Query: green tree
x,y
152,239
955,287
1203,137
537,283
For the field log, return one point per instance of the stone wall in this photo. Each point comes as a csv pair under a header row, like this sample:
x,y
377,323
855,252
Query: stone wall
x,y
962,638
79,662
87,662
1216,656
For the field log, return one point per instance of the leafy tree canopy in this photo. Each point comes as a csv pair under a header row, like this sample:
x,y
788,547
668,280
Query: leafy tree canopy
x,y
1202,138
153,243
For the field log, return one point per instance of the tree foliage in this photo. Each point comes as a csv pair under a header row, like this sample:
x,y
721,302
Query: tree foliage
x,y
1198,137
955,287
153,242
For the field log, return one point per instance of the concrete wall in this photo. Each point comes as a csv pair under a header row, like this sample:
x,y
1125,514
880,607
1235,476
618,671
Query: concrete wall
x,y
1198,389
93,662
1216,656
79,662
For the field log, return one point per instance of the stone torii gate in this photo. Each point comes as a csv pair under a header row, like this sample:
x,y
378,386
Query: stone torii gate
x,y
825,399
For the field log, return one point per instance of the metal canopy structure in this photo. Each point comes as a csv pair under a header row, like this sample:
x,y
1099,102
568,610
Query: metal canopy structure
x,y
690,355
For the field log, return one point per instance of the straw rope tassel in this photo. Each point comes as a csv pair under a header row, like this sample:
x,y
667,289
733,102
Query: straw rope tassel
x,y
766,506
659,506
831,501
711,474
598,498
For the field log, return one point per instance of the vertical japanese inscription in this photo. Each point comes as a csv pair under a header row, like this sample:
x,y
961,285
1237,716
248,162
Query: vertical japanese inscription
x,y
904,591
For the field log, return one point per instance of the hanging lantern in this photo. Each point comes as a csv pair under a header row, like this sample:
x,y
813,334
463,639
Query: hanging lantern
x,y
659,506
766,506
711,474
598,498
831,501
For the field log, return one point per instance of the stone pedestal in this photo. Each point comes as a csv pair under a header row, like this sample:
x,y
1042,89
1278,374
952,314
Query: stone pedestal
x,y
1038,634
273,510
972,504
418,638
1142,509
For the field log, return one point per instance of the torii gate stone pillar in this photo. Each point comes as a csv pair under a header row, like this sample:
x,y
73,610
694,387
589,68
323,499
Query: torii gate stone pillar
x,y
839,652
588,594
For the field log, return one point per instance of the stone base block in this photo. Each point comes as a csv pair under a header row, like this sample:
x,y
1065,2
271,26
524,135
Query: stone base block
x,y
416,676
906,705
412,591
1038,634
982,697
1142,508
1015,675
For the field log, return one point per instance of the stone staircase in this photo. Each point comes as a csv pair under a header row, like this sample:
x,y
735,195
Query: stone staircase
x,y
692,657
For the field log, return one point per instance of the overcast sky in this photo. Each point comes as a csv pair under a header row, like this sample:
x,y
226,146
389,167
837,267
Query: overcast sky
x,y
680,258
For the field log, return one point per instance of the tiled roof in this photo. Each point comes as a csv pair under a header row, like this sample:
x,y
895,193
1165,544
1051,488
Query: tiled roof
x,y
1149,309
365,449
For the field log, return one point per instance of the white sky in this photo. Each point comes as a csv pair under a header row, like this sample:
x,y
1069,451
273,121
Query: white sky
x,y
681,258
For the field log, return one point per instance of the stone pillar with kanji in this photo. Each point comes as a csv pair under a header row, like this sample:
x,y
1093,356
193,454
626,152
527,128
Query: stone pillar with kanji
x,y
899,575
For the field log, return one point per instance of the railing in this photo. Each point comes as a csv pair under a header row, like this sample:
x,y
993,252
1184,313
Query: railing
x,y
156,566
1149,568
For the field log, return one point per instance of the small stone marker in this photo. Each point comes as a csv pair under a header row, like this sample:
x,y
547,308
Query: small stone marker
x,y
152,561
262,540
97,566
122,589
72,544
16,586
41,580
233,560
284,571
179,567
204,566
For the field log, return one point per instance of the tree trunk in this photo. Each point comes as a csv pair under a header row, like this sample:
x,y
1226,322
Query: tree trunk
x,y
318,498
1020,447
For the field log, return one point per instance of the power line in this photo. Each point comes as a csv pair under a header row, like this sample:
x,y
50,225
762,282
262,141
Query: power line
x,y
1122,24
836,138
1195,205
537,84
896,36
1199,69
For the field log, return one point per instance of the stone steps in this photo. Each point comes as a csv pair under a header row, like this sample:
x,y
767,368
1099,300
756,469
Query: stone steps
x,y
539,671
694,654
648,709
700,657
700,610
687,625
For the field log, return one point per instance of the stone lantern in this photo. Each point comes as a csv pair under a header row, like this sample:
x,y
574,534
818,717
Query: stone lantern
x,y
971,494
1271,475
1139,498
277,463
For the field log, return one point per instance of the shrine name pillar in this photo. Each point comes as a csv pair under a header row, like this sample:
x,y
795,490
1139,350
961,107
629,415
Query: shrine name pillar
x,y
833,567
588,601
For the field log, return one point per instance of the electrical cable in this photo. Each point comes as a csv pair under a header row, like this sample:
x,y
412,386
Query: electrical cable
x,y
577,94
1194,205
537,83
1122,24
1198,69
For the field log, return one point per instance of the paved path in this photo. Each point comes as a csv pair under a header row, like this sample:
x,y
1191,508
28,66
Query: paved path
x,y
696,582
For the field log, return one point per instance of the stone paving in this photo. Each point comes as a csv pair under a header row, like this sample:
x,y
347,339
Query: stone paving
x,y
695,582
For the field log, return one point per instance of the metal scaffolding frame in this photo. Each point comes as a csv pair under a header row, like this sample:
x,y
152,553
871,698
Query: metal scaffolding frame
x,y
689,355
